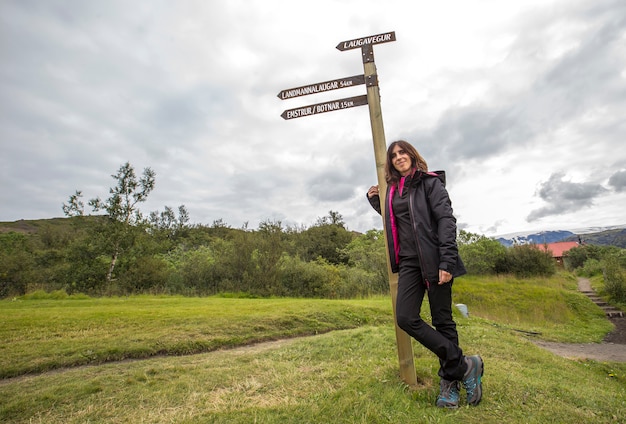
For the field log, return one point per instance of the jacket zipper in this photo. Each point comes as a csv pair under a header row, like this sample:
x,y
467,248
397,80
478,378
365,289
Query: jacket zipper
x,y
417,243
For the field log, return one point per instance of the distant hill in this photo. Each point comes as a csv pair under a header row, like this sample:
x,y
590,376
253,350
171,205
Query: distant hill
x,y
607,236
33,226
47,226
610,237
537,238
615,237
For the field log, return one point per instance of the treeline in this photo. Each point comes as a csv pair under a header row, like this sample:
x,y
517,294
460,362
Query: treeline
x,y
161,256
121,252
165,255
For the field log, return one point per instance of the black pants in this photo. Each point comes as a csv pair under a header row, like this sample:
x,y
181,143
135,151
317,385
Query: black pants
x,y
443,339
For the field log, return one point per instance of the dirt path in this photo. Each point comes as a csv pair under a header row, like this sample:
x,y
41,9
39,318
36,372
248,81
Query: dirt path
x,y
612,349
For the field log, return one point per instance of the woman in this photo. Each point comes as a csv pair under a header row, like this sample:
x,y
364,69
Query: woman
x,y
421,233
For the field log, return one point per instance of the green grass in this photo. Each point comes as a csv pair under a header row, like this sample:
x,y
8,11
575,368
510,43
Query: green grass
x,y
597,284
43,334
348,376
550,306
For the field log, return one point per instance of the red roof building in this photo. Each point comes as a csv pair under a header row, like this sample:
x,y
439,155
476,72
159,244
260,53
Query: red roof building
x,y
558,249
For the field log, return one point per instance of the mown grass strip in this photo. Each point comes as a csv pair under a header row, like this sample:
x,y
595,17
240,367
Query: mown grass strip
x,y
40,335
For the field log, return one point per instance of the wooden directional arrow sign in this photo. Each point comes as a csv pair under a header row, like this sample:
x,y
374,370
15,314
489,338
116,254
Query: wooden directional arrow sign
x,y
372,39
321,87
325,107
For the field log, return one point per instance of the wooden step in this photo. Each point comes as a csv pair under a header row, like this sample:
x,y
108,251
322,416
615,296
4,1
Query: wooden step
x,y
609,311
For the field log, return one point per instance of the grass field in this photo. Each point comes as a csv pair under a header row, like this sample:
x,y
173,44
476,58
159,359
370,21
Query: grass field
x,y
344,368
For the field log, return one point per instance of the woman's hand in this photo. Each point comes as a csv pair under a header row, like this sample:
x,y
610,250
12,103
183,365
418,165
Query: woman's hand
x,y
444,277
373,191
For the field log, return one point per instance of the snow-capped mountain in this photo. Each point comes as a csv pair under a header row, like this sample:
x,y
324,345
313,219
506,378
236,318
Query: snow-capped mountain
x,y
535,238
542,237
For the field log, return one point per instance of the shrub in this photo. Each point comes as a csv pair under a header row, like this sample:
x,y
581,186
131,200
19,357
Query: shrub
x,y
527,261
481,255
146,274
368,253
198,270
590,268
16,264
614,280
302,279
576,257
358,282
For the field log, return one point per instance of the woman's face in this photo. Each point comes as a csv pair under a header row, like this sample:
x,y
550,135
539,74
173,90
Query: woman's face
x,y
400,160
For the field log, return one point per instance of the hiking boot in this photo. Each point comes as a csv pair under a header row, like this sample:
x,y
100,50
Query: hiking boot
x,y
472,379
448,394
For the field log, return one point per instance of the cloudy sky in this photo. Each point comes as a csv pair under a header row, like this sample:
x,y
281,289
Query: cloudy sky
x,y
522,102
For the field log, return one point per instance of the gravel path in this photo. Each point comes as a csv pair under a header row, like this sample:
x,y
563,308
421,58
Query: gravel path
x,y
612,349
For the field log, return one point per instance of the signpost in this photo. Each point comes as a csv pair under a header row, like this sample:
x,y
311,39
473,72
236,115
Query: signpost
x,y
320,87
325,107
366,41
372,98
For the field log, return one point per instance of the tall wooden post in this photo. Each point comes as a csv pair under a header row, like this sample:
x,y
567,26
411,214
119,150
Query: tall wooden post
x,y
370,79
405,349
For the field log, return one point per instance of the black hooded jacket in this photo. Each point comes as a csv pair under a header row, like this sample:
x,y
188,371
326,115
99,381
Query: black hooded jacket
x,y
434,226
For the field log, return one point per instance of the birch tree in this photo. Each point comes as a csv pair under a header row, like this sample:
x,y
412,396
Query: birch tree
x,y
121,208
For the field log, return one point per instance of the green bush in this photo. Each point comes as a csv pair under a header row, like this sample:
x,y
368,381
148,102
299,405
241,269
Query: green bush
x,y
194,271
481,255
590,268
16,264
614,279
621,258
368,253
146,274
302,279
198,270
527,261
326,240
575,258
359,282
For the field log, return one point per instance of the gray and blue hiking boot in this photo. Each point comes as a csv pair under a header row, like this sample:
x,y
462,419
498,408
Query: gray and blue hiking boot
x,y
448,394
472,379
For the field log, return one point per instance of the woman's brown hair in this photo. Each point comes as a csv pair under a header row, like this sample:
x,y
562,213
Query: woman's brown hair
x,y
417,161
